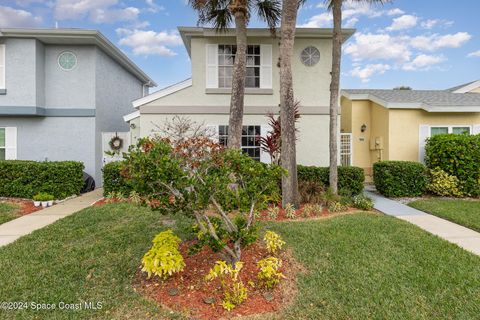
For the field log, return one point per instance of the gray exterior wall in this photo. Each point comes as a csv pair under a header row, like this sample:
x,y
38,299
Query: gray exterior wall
x,y
74,88
55,139
80,104
115,90
20,73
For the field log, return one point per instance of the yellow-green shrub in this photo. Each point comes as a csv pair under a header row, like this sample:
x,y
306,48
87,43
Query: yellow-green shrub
x,y
163,259
290,211
234,292
273,242
269,276
443,184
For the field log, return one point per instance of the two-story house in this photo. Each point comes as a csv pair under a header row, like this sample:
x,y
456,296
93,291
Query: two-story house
x,y
205,97
59,90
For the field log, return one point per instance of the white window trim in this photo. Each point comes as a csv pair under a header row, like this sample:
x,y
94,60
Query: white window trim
x,y
264,157
259,66
3,84
450,128
10,143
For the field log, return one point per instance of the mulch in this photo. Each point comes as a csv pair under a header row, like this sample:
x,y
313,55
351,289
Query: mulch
x,y
300,217
193,289
24,206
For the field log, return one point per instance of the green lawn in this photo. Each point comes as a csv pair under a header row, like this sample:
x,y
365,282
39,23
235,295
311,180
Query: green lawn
x,y
463,212
7,212
362,266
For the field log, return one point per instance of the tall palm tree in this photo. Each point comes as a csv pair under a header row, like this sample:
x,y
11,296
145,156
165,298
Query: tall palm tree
x,y
336,7
287,103
220,14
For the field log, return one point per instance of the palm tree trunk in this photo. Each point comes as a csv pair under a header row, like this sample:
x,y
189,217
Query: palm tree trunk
x,y
334,88
235,123
287,105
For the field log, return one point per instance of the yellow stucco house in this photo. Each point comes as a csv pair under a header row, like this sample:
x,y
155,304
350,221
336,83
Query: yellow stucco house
x,y
393,124
205,97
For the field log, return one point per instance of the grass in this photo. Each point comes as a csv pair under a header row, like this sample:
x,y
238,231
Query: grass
x,y
463,212
362,266
7,212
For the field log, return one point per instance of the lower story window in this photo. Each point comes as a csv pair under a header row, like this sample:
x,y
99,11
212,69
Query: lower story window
x,y
449,129
250,143
2,143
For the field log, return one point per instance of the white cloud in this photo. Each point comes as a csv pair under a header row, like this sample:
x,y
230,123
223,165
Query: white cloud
x,y
112,15
365,73
429,24
153,7
98,11
15,18
149,42
352,10
377,47
475,54
395,12
423,62
435,41
403,22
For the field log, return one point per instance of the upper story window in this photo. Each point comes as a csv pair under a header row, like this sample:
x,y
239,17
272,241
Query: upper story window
x,y
226,60
67,60
220,59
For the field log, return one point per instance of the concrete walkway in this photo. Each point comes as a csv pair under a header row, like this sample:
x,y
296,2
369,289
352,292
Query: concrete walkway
x,y
452,232
12,230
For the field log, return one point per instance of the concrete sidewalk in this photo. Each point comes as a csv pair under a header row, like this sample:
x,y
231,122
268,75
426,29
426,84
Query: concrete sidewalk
x,y
452,232
12,230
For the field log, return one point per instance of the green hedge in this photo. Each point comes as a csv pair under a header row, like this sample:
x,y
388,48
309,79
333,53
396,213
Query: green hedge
x,y
113,181
350,179
24,179
459,156
400,178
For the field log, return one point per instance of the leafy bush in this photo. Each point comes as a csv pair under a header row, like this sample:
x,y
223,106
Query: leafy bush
x,y
289,211
362,202
163,259
336,206
272,212
269,275
443,184
43,196
459,156
273,242
400,178
24,179
312,210
349,178
113,179
234,291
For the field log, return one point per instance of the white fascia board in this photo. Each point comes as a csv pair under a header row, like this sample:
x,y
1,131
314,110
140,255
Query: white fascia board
x,y
468,88
453,109
129,117
162,93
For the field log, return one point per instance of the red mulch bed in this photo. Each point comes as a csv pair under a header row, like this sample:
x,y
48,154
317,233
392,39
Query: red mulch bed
x,y
100,202
25,206
193,289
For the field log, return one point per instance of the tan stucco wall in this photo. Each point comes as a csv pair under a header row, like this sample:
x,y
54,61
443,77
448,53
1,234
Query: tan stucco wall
x,y
405,126
477,90
312,142
311,84
399,129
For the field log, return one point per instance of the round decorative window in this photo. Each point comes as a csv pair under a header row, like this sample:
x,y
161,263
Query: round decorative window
x,y
67,60
310,56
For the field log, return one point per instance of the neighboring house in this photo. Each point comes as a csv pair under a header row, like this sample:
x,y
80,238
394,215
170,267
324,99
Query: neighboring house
x,y
59,90
205,98
393,124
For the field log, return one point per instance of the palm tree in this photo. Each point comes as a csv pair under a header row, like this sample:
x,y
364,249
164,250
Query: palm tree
x,y
287,103
220,14
336,7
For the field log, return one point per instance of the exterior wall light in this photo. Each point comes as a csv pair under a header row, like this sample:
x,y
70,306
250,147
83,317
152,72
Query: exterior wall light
x,y
363,127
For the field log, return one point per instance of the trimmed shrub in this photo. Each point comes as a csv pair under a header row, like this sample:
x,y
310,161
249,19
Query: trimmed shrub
x,y
350,179
459,156
400,178
443,184
113,180
24,179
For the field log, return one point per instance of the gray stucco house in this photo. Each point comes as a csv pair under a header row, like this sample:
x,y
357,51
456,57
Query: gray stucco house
x,y
60,89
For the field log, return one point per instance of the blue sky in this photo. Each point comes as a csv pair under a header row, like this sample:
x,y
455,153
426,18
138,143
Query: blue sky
x,y
423,44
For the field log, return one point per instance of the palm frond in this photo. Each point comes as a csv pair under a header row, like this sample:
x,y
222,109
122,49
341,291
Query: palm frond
x,y
213,12
269,11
